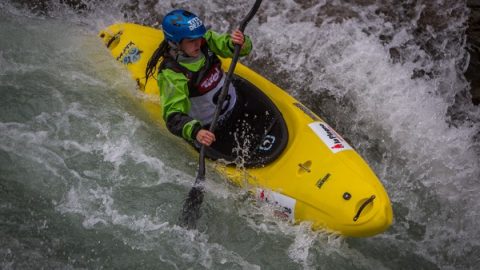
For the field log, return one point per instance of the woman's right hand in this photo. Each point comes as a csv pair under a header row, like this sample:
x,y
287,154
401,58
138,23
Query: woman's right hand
x,y
237,37
205,137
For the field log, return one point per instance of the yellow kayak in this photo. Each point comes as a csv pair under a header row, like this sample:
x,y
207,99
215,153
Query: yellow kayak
x,y
304,167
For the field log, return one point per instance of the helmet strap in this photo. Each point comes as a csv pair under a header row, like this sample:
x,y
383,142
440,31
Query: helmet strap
x,y
174,50
175,46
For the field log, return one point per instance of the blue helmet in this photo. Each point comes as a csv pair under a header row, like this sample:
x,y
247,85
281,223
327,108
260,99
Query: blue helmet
x,y
180,24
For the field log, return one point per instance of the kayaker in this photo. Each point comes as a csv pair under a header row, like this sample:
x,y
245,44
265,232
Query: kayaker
x,y
190,77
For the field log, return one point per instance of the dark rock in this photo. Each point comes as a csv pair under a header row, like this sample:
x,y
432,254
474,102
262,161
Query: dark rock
x,y
473,47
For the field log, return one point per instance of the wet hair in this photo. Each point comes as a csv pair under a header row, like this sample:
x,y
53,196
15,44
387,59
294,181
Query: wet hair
x,y
159,53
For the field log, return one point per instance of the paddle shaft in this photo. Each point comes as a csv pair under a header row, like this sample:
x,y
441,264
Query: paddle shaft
x,y
221,99
191,206
224,91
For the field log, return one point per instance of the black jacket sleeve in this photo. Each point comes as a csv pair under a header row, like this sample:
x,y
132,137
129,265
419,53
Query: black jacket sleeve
x,y
179,123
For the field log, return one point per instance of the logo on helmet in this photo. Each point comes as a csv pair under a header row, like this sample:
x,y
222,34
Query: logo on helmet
x,y
194,23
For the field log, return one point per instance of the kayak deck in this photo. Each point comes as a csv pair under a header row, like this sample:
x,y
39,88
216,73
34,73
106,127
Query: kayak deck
x,y
255,133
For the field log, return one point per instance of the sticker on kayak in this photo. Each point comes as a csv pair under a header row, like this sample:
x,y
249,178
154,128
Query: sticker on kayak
x,y
285,203
333,141
130,54
267,143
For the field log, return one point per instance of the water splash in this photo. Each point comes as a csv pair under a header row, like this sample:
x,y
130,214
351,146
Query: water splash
x,y
388,76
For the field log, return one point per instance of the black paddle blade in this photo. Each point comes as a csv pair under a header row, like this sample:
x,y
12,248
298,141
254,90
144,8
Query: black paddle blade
x,y
191,207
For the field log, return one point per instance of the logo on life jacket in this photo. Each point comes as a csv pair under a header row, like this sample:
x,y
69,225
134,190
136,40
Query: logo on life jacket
x,y
210,80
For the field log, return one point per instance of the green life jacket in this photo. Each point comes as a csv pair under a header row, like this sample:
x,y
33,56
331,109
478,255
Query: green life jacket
x,y
204,86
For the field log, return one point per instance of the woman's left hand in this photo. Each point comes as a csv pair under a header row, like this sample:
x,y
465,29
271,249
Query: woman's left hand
x,y
237,37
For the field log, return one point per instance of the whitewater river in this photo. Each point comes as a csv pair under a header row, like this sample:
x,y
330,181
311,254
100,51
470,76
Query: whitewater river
x,y
89,180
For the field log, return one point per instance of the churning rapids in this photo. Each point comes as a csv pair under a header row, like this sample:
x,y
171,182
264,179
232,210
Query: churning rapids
x,y
88,180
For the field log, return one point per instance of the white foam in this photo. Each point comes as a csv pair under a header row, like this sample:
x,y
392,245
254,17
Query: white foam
x,y
424,158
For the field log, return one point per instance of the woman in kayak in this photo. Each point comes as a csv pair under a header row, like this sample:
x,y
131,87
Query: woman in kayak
x,y
190,76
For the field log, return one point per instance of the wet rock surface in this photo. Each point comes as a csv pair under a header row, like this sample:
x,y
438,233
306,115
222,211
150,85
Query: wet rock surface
x,y
431,18
473,46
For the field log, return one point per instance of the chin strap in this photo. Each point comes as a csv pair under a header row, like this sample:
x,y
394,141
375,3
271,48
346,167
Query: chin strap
x,y
174,51
173,45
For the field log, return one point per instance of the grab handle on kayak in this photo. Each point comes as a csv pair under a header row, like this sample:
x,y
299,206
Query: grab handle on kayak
x,y
112,38
370,200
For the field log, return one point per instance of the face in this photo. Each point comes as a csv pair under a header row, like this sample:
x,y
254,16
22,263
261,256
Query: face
x,y
191,47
